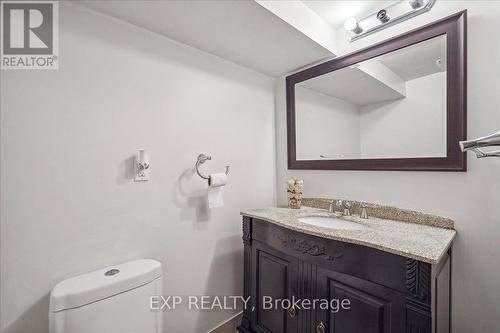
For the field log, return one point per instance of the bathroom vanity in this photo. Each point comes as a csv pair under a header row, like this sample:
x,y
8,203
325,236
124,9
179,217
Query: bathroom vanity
x,y
396,275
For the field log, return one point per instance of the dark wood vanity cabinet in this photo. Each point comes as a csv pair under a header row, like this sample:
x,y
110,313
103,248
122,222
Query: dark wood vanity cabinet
x,y
276,276
373,308
387,293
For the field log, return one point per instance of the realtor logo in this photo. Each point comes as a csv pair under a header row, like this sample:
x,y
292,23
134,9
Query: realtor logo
x,y
30,35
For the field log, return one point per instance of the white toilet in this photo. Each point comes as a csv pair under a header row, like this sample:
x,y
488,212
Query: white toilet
x,y
115,299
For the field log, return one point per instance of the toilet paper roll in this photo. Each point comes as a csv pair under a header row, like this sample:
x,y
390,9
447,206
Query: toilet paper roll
x,y
217,179
214,197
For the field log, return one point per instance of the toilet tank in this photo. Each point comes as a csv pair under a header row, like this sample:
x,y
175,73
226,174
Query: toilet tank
x,y
114,299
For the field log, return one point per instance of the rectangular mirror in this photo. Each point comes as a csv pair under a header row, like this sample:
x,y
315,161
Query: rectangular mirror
x,y
390,106
398,105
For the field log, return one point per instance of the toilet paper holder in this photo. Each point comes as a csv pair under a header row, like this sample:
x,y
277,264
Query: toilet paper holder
x,y
202,158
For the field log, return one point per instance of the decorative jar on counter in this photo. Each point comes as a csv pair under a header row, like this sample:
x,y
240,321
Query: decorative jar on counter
x,y
294,191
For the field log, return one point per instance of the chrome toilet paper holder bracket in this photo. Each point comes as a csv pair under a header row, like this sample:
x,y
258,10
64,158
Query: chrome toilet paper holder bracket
x,y
202,158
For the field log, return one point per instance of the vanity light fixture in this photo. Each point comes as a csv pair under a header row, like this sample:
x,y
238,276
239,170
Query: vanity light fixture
x,y
416,3
352,25
397,11
382,16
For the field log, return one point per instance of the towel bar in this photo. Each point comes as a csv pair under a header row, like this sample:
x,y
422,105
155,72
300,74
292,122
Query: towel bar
x,y
487,141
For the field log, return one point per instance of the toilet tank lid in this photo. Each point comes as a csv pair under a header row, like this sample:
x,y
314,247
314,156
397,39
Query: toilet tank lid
x,y
94,286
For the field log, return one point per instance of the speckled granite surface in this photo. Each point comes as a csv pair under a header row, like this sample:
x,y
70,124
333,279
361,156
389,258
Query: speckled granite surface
x,y
387,212
422,242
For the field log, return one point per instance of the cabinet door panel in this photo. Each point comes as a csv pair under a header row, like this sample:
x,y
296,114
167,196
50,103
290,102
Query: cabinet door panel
x,y
373,308
369,314
275,277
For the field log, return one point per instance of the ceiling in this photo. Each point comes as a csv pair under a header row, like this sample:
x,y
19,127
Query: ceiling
x,y
417,60
248,34
241,31
335,12
382,78
348,83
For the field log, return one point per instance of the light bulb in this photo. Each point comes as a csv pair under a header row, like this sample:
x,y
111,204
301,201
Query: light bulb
x,y
351,24
415,3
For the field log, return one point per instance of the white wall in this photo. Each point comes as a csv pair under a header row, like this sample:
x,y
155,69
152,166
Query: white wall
x,y
472,198
325,126
414,126
68,204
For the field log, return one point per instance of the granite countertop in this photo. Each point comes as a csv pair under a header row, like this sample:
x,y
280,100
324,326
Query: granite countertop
x,y
417,241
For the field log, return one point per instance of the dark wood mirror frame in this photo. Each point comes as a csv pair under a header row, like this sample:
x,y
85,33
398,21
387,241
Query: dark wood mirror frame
x,y
455,29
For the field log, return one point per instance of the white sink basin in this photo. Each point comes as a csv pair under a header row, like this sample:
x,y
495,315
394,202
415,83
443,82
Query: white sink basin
x,y
331,222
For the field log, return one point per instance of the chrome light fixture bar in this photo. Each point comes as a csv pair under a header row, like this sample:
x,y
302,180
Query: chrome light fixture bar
x,y
396,12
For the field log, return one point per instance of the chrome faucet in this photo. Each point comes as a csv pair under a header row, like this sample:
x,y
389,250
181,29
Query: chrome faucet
x,y
364,211
331,209
347,205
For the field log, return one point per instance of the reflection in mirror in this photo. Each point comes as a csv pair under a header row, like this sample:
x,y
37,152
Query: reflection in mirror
x,y
391,106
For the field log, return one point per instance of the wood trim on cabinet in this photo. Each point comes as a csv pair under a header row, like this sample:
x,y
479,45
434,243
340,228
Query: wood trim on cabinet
x,y
455,29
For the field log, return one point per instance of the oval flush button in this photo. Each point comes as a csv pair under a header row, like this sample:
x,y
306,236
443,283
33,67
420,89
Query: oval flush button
x,y
111,272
